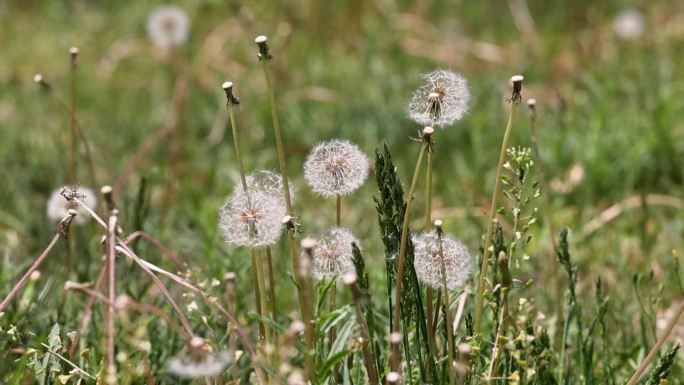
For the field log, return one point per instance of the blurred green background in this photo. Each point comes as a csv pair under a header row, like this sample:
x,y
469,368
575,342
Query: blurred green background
x,y
610,128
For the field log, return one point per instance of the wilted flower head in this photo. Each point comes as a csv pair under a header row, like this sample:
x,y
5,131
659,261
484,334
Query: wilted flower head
x,y
457,260
208,365
441,101
332,255
252,219
629,24
336,167
57,205
168,26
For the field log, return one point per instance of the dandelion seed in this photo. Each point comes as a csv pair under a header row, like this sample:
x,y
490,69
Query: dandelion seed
x,y
332,255
457,260
441,101
168,26
57,205
629,24
335,168
195,367
267,181
252,220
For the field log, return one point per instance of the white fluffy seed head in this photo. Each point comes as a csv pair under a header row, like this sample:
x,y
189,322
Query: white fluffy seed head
x,y
168,26
629,24
209,365
457,260
336,167
441,101
332,255
269,182
58,207
252,220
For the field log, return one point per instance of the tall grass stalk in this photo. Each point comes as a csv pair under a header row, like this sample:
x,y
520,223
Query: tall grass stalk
x,y
451,353
654,351
396,319
110,314
551,264
515,100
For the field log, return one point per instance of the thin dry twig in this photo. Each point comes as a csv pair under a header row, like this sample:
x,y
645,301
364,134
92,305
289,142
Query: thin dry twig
x,y
60,230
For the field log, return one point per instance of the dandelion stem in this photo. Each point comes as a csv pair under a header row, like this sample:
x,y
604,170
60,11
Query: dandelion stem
x,y
338,219
87,311
654,351
304,306
272,291
258,292
111,296
492,213
62,228
427,228
371,370
304,273
402,253
447,319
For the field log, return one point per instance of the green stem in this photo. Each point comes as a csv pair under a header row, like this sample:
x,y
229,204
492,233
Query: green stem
x,y
447,319
492,217
402,254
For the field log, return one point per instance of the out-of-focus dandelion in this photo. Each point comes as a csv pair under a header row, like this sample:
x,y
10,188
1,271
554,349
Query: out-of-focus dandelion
x,y
209,365
252,220
168,26
266,181
458,262
629,24
335,168
57,205
441,101
332,255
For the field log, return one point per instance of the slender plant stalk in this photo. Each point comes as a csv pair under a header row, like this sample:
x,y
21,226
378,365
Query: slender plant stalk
x,y
87,311
654,351
506,282
492,215
272,291
402,253
61,229
447,319
232,307
551,264
73,141
427,228
304,273
332,335
110,326
304,305
371,370
260,294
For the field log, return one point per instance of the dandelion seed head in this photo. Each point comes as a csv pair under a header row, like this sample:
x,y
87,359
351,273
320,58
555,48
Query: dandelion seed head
x,y
336,167
58,207
252,220
457,260
332,255
268,181
208,365
441,101
629,24
168,26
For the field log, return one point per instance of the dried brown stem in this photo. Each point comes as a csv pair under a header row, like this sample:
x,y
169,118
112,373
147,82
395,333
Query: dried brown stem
x,y
62,228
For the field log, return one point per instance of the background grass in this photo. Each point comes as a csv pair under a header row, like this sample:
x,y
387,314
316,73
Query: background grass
x,y
343,70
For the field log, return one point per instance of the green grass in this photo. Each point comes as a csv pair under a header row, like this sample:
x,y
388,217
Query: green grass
x,y
612,106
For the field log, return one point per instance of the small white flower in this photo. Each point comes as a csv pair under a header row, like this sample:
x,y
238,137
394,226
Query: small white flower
x,y
192,367
168,26
253,219
427,261
629,24
441,101
57,205
336,167
332,255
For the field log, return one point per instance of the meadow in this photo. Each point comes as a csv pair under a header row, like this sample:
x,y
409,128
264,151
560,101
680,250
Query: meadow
x,y
581,283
